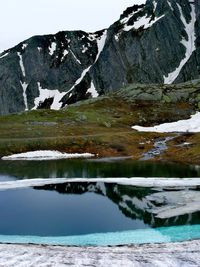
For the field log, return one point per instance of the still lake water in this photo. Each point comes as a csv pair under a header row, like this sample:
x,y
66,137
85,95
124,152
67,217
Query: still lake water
x,y
85,208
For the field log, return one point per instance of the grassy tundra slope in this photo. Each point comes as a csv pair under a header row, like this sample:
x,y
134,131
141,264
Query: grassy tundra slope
x,y
103,125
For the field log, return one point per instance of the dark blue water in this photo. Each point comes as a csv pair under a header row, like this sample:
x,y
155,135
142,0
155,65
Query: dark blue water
x,y
83,208
48,213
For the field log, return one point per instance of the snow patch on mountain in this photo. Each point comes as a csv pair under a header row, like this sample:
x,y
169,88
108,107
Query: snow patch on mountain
x,y
4,55
126,19
100,45
75,57
84,49
21,63
24,86
65,53
189,43
46,94
24,46
92,37
92,90
52,48
144,21
78,81
155,6
68,40
170,4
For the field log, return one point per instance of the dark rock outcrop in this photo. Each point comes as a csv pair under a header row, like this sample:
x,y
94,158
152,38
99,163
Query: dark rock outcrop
x,y
173,93
158,42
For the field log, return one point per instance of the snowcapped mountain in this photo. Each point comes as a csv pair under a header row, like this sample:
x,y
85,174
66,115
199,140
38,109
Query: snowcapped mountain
x,y
158,42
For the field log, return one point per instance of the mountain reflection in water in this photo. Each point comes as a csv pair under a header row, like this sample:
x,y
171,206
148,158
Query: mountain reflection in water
x,y
84,208
94,168
144,204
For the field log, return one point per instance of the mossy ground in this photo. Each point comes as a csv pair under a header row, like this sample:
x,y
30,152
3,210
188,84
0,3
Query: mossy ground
x,y
184,149
101,126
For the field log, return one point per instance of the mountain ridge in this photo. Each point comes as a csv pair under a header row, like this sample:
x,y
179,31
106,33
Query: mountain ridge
x,y
156,42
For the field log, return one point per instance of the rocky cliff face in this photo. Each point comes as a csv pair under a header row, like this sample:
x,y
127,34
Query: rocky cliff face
x,y
158,42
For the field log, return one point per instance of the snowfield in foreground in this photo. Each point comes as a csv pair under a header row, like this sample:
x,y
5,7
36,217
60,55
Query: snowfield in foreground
x,y
191,125
184,254
46,155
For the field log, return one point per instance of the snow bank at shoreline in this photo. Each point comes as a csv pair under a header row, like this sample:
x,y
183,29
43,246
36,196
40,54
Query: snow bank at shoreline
x,y
46,155
191,125
135,181
184,254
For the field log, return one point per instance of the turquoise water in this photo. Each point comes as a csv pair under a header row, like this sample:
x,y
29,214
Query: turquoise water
x,y
158,235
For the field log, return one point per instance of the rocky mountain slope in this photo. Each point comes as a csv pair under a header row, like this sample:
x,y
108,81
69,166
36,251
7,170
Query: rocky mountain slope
x,y
158,42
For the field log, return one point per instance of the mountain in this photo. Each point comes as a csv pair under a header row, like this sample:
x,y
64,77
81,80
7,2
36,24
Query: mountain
x,y
158,42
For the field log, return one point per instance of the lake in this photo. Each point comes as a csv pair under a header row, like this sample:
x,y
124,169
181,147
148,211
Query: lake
x,y
92,208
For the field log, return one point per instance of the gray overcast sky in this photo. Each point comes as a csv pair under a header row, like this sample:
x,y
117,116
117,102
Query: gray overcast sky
x,y
21,19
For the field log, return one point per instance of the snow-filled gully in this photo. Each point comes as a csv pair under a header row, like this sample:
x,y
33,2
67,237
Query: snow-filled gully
x,y
100,44
23,84
189,43
45,93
